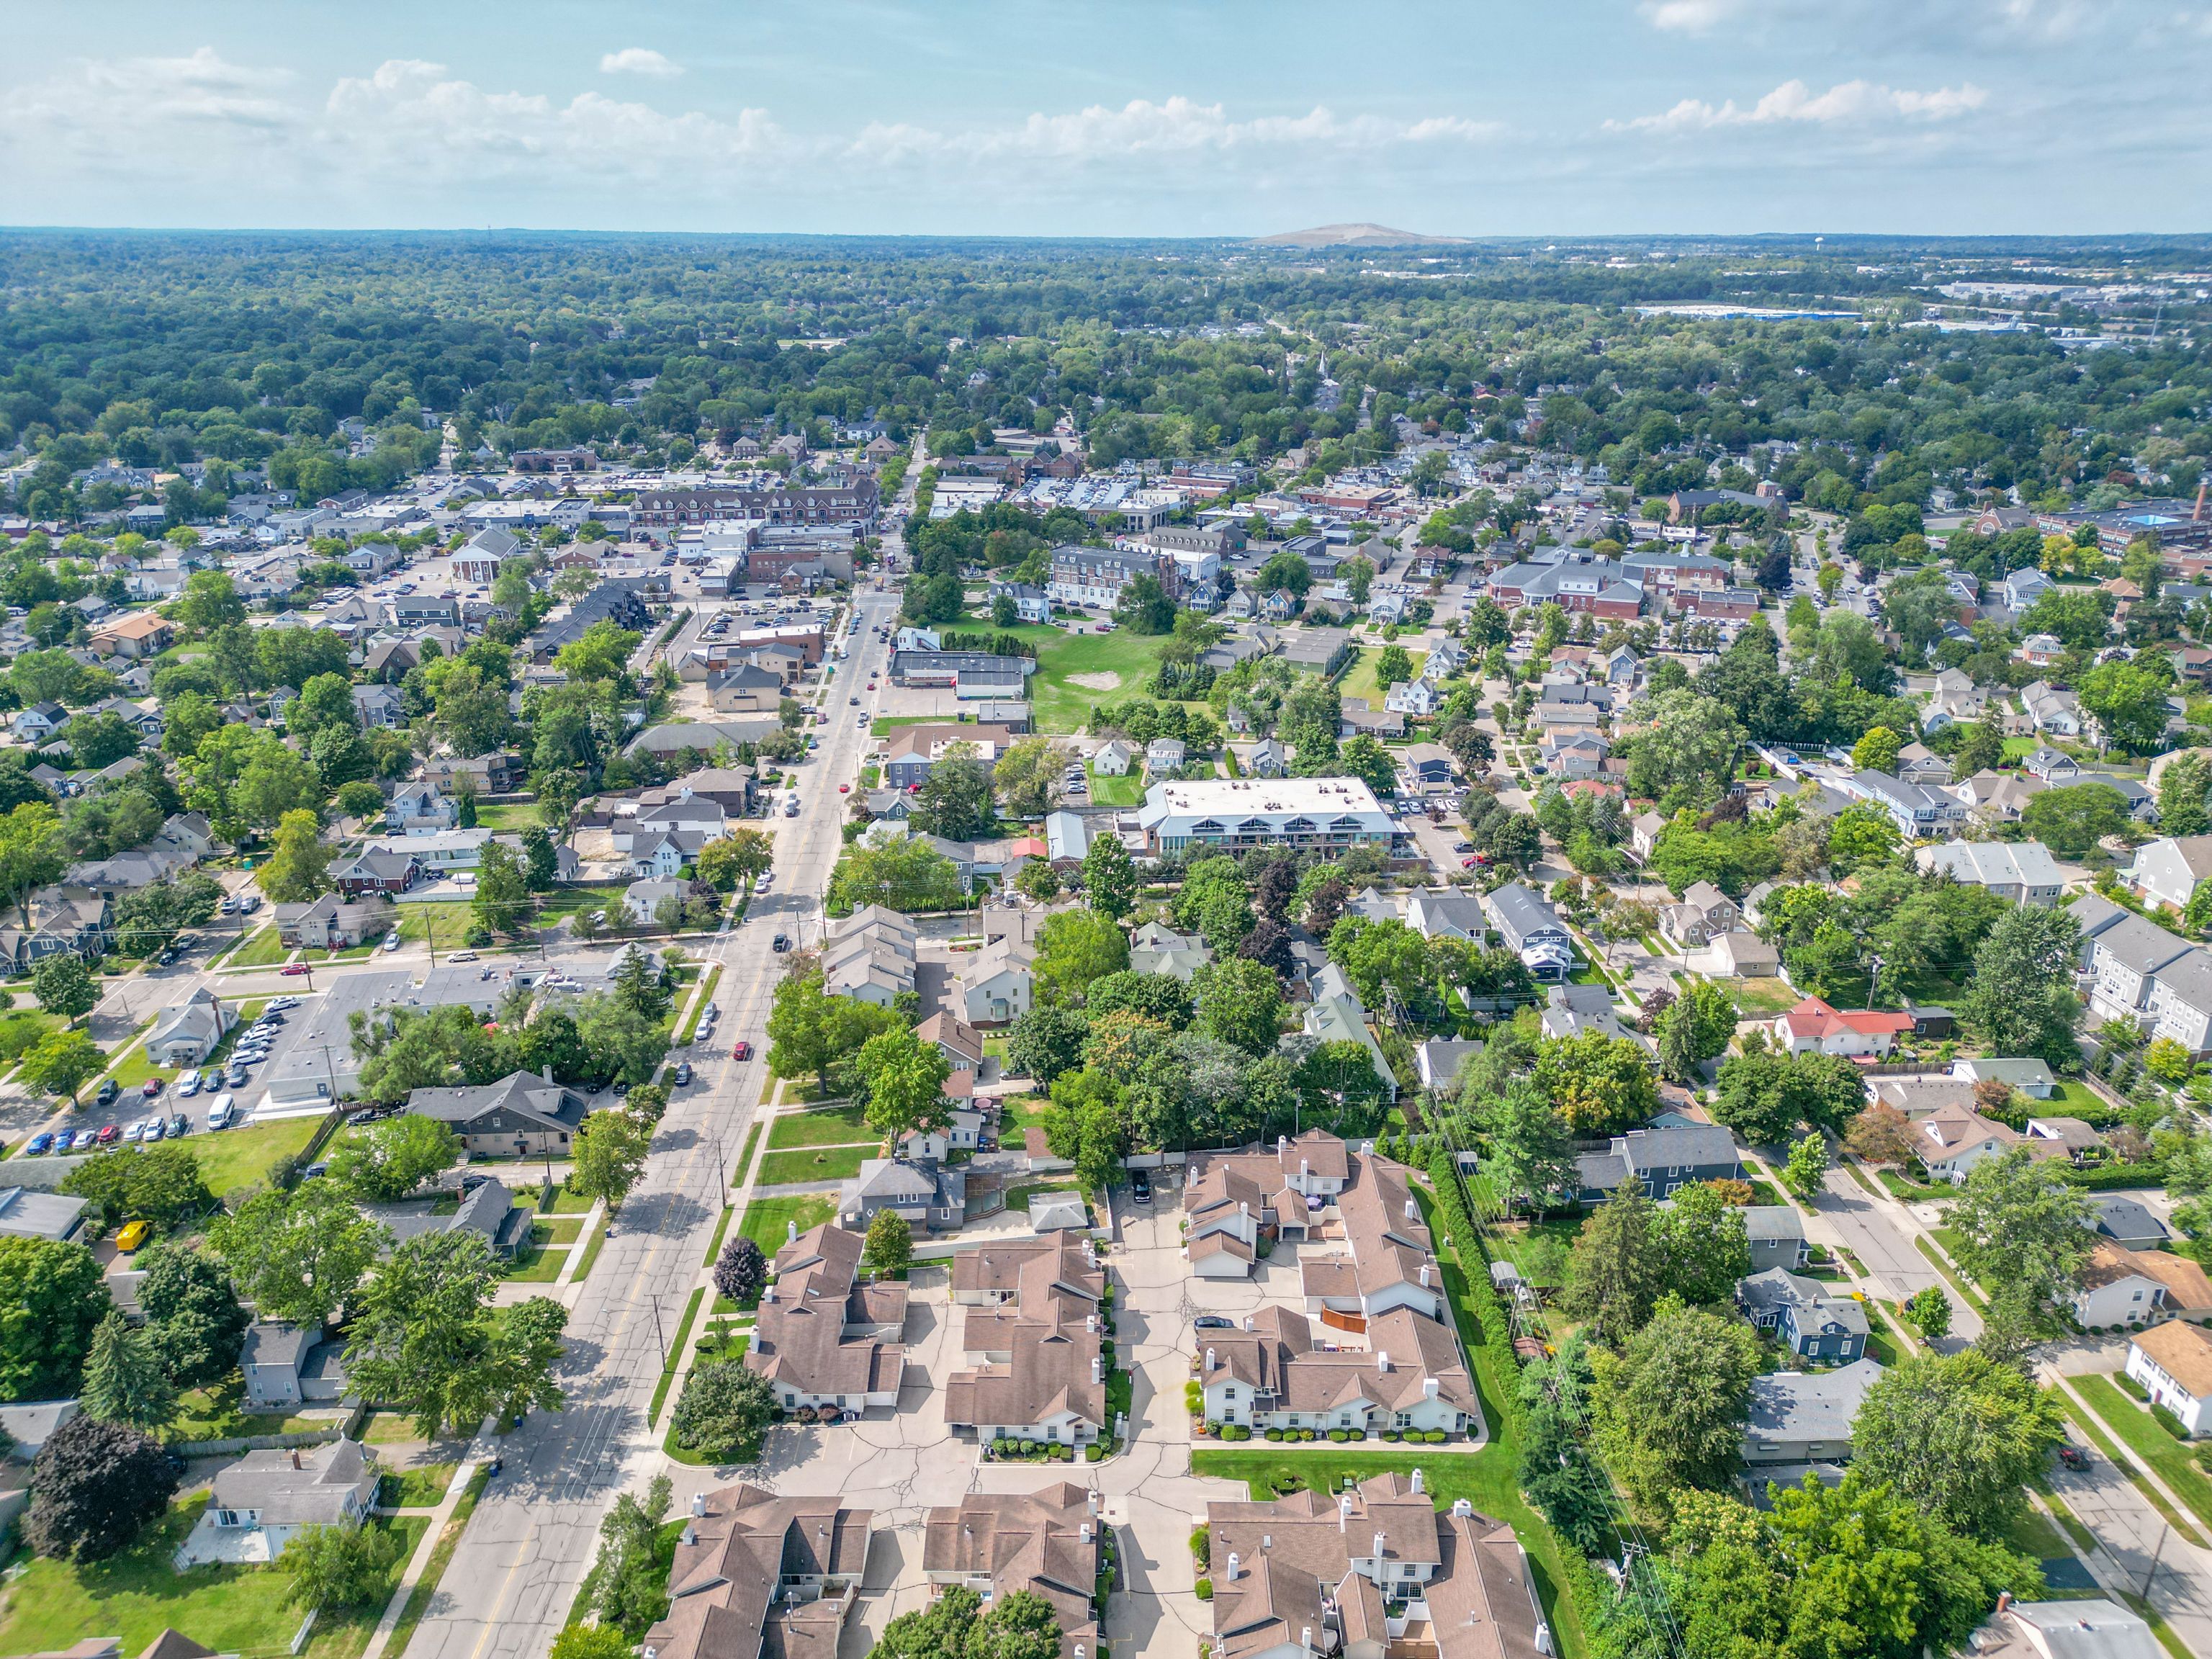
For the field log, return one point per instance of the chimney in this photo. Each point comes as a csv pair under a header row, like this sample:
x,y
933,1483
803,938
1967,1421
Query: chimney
x,y
2196,512
1090,1323
295,1457
2004,1600
1282,1145
1209,1360
690,1534
1097,1368
1382,1546
1462,1508
1092,1501
1244,1207
1086,1531
549,1074
1306,1638
1429,1387
1424,1275
1381,1360
1344,1513
1418,1486
1234,1558
698,1504
1305,1170
1249,1325
791,1231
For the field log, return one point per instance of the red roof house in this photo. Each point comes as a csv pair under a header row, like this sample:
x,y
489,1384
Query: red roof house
x,y
1814,1027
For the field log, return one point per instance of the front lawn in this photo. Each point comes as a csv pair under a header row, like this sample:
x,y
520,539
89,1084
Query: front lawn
x,y
21,1027
765,1217
137,1594
218,1413
2140,1433
260,950
1127,789
833,1126
807,1163
417,1488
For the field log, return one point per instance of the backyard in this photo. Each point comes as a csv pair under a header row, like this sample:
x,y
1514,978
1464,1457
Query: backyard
x,y
233,1159
765,1219
1361,680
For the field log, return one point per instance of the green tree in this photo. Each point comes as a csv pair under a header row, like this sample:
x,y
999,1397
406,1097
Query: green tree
x,y
1618,1268
723,1413
427,1341
1364,758
2072,819
325,701
1109,879
124,1381
1029,775
193,1313
501,904
1046,1042
609,1155
360,799
1601,1085
298,869
2128,701
955,800
889,1248
1530,1158
2182,789
160,1184
1381,957
1960,1435
1929,1310
736,860
1688,752
95,1486
1073,948
1697,1026
1670,1409
1143,605
639,985
905,1078
907,875
810,1030
31,853
2021,1226
210,599
1861,836
1704,1241
64,985
340,1566
299,1255
52,1297
1806,1172
2020,999
1877,751
60,1063
384,1162
1392,666
1239,1003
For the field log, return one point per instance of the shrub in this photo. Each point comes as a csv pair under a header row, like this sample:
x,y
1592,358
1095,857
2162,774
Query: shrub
x,y
1203,1589
1063,1454
1435,1436
1235,1431
724,1412
1358,1434
1275,1434
2131,1386
1194,1398
1390,1435
1338,1436
1094,1454
1201,1544
2169,1422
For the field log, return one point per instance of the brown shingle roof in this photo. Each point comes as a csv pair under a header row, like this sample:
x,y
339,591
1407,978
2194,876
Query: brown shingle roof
x,y
730,1562
801,1339
1031,1542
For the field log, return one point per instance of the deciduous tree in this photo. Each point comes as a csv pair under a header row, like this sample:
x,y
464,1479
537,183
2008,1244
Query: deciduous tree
x,y
95,1485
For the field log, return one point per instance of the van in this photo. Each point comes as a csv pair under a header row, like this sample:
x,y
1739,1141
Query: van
x,y
219,1115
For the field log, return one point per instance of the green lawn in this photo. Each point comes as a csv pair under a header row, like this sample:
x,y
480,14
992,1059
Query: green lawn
x,y
1757,997
764,1218
259,949
218,1413
2020,748
592,1247
443,924
2150,1444
745,1157
536,1265
563,1232
809,1163
1061,705
21,1027
833,1126
136,1594
1126,790
1360,680
233,1159
514,815
417,1488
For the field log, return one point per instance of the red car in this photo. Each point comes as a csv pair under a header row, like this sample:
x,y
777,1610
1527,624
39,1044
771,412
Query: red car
x,y
844,788
743,1051
153,1087
111,1134
294,968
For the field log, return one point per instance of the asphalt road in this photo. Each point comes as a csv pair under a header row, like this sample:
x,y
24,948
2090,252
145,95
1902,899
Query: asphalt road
x,y
507,1592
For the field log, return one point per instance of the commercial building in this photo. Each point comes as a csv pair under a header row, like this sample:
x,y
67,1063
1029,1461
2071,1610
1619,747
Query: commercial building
x,y
1325,813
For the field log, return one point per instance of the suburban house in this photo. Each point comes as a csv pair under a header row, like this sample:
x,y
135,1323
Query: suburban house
x,y
1703,912
1232,1200
1778,1236
1337,1015
823,1340
1113,758
1533,930
913,750
333,922
188,1033
1660,1161
260,1501
994,984
62,919
142,634
2127,1222
1031,1326
1046,1542
1805,1417
1274,1375
389,874
2174,1362
1918,811
1154,949
1952,1139
2166,871
927,1193
1316,1574
437,853
521,1113
1801,1314
870,955
2023,871
1447,912
758,1575
960,1043
2120,1286
1814,1027
379,705
286,1365
2075,1628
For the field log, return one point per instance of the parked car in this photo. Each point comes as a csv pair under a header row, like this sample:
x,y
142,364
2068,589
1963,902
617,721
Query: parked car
x,y
1213,1322
151,1087
180,1125
219,1115
157,1129
189,1085
683,1072
1140,1186
780,943
107,1092
392,940
84,1141
38,1144
462,956
132,1235
237,1076
292,967
110,1135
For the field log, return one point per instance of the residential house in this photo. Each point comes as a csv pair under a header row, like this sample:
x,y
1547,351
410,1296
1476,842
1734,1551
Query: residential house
x,y
1155,949
1415,698
1954,1139
440,852
1429,768
1992,798
744,689
2126,956
1274,1375
1337,1015
1917,763
2029,1077
1660,1161
1268,759
1919,813
822,1339
1742,954
2116,1286
1030,1328
286,1365
1048,1543
641,899
1162,756
522,1113
960,1043
870,955
914,750
76,919
2166,871
1777,1233
2173,1364
759,1576
1031,604
259,1502
1316,1575
388,874
142,634
993,986
1802,1316
2073,1628
40,722
2127,1222
1814,1027
1805,1417
378,706
1438,1059
333,922
1532,929
1446,912
926,1192
417,809
2022,871
2053,766
1703,911
1114,757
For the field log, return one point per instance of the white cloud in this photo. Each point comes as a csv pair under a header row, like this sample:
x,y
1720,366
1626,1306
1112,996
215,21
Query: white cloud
x,y
1689,16
411,109
1176,126
138,93
638,60
1847,104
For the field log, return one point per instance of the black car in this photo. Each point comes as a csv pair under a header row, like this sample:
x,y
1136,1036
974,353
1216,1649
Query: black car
x,y
780,943
181,1124
1213,1322
1140,1186
108,1090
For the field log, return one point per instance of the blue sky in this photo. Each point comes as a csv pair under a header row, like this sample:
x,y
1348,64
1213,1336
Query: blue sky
x,y
1576,116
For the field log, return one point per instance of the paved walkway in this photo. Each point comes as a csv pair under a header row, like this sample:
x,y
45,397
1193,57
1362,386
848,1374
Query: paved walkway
x,y
419,1563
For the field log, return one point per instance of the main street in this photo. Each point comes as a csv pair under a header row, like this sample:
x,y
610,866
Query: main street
x,y
507,1592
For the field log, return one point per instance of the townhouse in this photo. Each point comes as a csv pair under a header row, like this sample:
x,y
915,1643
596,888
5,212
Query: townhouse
x,y
1032,1324
1232,1201
756,1575
1322,814
2118,1286
2173,1364
1095,576
1273,1375
870,955
2166,871
912,750
824,1340
1920,813
2022,871
1047,1542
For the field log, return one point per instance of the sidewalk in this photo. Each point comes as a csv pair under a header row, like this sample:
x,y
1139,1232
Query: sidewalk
x,y
419,1563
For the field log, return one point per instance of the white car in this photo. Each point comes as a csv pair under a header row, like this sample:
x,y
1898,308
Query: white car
x,y
392,940
761,881
189,1085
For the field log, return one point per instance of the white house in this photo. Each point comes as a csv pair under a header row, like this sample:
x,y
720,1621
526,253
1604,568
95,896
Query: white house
x,y
2135,1287
260,1501
1953,1140
2174,1362
1415,697
2166,872
1113,758
187,1034
1274,1375
2023,871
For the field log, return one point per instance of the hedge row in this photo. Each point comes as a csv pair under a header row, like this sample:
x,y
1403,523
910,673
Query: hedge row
x,y
1494,1328
2107,1177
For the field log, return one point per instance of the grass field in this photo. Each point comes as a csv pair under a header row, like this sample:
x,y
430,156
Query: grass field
x,y
515,815
237,1158
1360,680
260,950
1126,790
809,1163
765,1217
21,1027
2140,1433
592,1247
218,1413
1061,705
1757,997
136,1594
417,1488
833,1126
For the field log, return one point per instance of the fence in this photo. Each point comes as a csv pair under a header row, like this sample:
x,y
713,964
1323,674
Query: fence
x,y
259,1442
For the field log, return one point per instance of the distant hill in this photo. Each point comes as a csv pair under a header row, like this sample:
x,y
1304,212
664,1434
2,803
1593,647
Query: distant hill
x,y
1354,236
